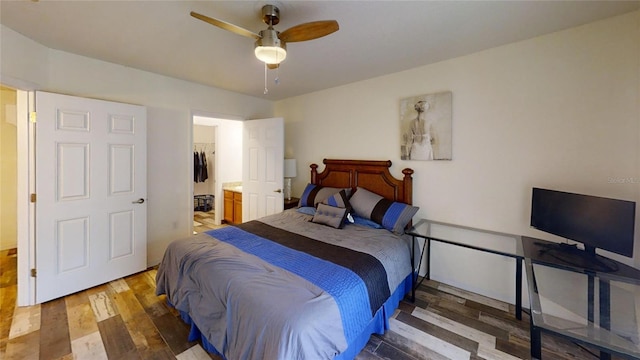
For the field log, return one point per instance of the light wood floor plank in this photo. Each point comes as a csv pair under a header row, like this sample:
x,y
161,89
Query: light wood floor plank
x,y
435,344
127,305
439,332
102,307
194,353
89,346
416,349
26,319
482,338
80,316
119,285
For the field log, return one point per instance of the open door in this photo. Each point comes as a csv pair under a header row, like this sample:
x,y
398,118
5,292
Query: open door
x,y
262,173
90,192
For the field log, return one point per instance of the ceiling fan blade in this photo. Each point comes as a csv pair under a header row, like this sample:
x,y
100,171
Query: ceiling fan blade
x,y
226,26
309,31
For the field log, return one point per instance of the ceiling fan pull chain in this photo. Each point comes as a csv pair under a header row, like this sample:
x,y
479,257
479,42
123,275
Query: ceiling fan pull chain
x,y
266,91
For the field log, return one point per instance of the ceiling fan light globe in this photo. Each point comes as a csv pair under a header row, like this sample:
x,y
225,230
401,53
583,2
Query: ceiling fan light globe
x,y
270,54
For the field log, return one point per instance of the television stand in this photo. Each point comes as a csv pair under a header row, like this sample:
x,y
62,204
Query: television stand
x,y
571,255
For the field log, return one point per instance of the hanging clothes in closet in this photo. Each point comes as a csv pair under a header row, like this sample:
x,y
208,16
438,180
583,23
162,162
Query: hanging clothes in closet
x,y
200,171
204,173
196,166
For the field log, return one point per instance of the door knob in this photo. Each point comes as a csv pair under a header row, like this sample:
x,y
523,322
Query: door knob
x,y
139,201
278,191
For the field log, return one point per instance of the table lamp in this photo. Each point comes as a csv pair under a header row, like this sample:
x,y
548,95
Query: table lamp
x,y
289,172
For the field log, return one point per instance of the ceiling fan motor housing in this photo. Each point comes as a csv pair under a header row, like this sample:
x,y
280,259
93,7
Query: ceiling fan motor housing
x,y
270,15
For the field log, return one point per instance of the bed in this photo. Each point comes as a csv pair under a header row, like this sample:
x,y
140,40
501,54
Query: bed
x,y
298,285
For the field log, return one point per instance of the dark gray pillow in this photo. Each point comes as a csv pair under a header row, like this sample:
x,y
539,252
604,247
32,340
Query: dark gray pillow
x,y
392,215
330,215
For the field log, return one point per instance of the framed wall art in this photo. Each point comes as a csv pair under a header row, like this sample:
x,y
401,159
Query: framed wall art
x,y
425,124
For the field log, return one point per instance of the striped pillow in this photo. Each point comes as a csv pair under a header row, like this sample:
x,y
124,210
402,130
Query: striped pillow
x,y
393,216
338,200
314,194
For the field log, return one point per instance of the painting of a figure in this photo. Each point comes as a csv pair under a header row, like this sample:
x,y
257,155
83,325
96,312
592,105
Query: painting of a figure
x,y
426,127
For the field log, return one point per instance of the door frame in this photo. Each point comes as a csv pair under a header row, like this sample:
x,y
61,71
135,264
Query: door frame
x,y
26,294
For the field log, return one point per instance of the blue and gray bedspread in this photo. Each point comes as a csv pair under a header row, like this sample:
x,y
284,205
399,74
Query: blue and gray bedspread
x,y
284,288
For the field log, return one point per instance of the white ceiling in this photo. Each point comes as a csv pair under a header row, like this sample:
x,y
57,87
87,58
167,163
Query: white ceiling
x,y
375,37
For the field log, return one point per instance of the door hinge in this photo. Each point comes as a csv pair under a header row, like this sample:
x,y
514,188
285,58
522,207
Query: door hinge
x,y
33,117
33,198
34,272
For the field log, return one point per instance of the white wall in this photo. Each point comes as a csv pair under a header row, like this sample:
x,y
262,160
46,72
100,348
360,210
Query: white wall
x,y
170,104
559,111
8,169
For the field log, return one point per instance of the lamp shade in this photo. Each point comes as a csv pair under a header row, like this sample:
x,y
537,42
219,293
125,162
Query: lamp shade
x,y
290,168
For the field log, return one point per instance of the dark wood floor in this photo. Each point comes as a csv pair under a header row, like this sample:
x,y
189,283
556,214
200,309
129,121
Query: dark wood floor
x,y
124,319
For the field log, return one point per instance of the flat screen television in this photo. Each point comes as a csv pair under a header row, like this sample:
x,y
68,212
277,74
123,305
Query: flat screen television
x,y
596,222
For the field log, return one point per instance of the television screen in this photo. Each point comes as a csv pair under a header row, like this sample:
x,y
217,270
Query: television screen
x,y
596,222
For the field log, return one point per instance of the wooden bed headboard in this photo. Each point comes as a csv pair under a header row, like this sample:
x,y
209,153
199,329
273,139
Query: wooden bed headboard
x,y
372,175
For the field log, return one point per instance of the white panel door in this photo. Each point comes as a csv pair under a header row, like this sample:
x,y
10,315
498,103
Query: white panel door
x,y
262,173
91,214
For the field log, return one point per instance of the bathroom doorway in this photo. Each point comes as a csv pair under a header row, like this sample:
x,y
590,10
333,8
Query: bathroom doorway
x,y
204,175
220,139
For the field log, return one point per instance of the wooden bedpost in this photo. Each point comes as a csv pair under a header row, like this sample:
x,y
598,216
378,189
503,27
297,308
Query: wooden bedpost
x,y
408,185
314,173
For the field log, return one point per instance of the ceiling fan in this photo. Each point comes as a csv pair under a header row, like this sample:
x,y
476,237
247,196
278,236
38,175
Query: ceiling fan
x,y
271,45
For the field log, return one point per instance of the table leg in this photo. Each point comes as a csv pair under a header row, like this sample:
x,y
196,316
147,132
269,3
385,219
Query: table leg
x,y
590,298
536,342
605,311
518,289
425,248
414,275
427,244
